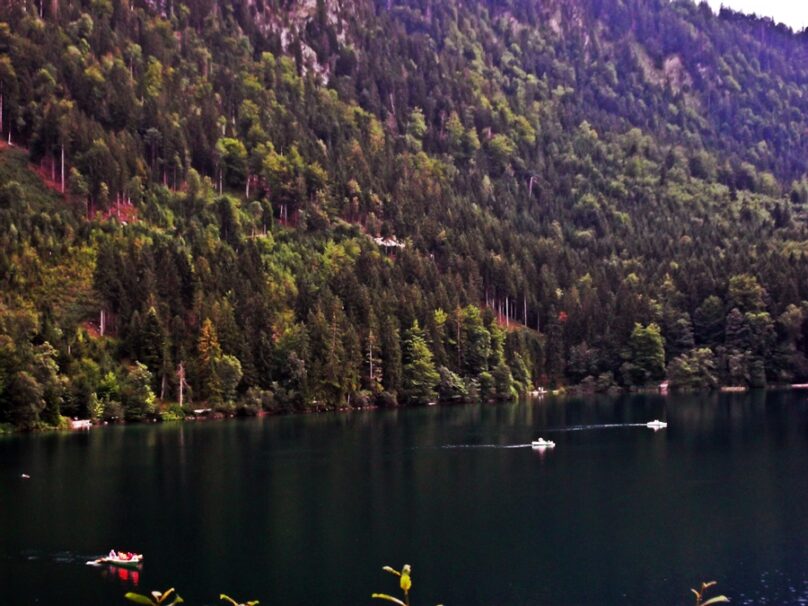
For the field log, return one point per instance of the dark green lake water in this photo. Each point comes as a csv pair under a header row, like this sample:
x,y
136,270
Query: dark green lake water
x,y
306,510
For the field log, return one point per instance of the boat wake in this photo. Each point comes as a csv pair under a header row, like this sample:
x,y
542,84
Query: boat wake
x,y
498,446
589,427
59,557
543,431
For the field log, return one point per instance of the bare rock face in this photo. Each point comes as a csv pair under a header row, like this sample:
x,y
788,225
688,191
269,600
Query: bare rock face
x,y
292,25
298,26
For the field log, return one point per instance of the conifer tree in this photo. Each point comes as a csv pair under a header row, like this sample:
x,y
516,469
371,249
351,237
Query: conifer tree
x,y
209,352
420,378
151,345
391,354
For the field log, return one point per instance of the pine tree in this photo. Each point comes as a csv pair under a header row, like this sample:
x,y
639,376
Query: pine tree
x,y
228,371
503,382
737,331
374,367
391,355
209,352
555,349
476,342
137,396
709,321
420,376
151,344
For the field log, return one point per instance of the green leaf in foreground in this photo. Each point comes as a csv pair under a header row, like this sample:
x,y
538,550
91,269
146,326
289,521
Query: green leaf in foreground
x,y
139,599
158,598
227,598
389,598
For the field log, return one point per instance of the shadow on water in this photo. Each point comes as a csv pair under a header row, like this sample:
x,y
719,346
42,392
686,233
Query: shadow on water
x,y
307,509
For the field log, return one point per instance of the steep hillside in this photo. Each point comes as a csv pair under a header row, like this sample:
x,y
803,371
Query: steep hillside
x,y
323,204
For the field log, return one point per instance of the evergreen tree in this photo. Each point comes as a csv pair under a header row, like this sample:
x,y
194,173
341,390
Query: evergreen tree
x,y
137,396
209,353
391,355
737,331
503,382
420,378
24,399
151,344
476,342
374,368
709,321
228,371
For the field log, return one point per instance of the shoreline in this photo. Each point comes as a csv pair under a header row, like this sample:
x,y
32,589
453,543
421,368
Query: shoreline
x,y
78,425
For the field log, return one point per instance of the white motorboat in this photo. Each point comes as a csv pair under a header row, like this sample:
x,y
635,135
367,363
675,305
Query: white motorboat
x,y
121,559
542,443
656,424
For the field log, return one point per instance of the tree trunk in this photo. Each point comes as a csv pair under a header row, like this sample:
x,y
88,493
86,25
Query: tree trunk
x,y
507,312
457,339
63,168
181,377
370,358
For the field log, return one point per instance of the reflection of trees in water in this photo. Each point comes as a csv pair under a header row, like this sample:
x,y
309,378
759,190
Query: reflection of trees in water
x,y
727,418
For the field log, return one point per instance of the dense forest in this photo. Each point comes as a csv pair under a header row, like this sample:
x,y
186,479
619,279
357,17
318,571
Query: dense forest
x,y
291,205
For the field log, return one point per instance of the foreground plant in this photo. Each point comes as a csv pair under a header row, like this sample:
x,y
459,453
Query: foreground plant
x,y
156,599
404,582
719,599
227,598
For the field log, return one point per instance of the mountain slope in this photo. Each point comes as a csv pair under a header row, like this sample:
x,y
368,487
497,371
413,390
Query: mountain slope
x,y
329,203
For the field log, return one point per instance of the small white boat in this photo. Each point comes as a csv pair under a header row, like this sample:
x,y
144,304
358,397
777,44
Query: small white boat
x,y
542,443
656,424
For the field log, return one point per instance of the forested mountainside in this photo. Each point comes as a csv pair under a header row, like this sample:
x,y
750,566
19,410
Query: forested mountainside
x,y
315,204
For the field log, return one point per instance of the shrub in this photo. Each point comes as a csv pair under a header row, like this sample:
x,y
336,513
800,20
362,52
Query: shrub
x,y
386,399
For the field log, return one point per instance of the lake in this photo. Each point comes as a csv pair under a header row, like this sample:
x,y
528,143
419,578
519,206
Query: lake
x,y
307,509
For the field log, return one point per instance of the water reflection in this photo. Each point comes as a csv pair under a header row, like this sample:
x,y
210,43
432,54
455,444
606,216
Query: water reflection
x,y
124,575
